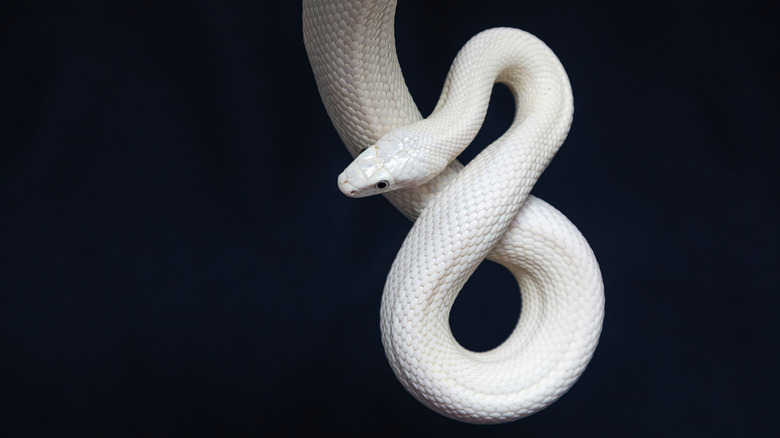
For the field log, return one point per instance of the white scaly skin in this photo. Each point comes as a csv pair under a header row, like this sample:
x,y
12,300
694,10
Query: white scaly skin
x,y
463,217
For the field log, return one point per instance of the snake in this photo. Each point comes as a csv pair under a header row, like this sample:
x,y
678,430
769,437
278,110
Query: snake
x,y
462,214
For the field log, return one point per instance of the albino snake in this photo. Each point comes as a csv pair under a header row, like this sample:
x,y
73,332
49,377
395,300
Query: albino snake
x,y
463,215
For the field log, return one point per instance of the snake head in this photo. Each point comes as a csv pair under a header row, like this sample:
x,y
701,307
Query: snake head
x,y
388,165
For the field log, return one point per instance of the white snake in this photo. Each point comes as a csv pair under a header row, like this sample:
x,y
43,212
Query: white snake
x,y
463,215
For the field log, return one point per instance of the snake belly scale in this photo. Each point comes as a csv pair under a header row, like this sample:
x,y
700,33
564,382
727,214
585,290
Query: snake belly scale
x,y
463,215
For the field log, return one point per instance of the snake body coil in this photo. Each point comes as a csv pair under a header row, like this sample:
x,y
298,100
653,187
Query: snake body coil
x,y
463,215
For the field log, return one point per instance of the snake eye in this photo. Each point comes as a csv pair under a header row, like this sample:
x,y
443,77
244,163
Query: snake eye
x,y
381,185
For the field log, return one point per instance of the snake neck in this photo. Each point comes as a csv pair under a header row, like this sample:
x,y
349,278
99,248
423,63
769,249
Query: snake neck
x,y
527,67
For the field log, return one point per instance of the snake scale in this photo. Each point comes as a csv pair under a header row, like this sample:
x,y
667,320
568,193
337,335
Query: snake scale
x,y
462,215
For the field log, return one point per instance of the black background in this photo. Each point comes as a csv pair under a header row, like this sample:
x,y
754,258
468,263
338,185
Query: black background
x,y
176,259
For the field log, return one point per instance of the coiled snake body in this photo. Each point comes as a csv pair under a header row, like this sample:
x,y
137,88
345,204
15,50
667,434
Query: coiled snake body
x,y
462,215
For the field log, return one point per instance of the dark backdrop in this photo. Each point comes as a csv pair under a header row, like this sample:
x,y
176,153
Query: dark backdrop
x,y
176,259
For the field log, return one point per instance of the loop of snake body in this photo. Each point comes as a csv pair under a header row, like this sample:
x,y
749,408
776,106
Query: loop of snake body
x,y
463,215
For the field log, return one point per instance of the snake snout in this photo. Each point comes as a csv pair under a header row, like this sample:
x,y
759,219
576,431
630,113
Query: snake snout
x,y
345,186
